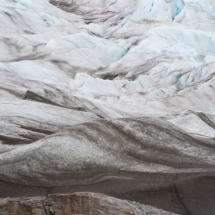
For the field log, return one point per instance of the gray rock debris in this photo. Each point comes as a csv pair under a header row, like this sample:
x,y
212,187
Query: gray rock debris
x,y
77,203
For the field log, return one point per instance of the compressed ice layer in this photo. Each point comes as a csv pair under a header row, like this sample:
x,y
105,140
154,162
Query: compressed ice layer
x,y
100,50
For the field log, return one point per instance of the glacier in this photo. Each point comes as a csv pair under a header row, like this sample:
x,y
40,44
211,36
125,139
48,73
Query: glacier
x,y
99,95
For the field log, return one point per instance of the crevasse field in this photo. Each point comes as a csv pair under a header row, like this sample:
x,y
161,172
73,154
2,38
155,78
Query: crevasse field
x,y
109,96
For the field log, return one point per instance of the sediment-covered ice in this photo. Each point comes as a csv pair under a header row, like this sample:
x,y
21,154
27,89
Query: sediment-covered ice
x,y
92,88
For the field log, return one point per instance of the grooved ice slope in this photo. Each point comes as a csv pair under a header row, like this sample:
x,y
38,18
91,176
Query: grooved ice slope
x,y
90,89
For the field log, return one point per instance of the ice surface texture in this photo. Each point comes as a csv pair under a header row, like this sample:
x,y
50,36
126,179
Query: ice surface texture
x,y
92,89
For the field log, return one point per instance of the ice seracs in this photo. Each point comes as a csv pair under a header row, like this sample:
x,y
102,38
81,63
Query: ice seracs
x,y
98,91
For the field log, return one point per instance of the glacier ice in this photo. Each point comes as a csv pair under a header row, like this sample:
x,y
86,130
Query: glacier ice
x,y
104,87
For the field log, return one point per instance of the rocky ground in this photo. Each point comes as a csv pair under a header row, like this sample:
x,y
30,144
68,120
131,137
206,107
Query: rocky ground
x,y
77,203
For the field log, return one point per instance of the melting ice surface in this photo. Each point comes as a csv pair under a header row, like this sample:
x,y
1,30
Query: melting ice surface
x,y
93,88
129,57
137,39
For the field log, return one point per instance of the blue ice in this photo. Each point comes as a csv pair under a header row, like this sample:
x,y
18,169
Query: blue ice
x,y
177,7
